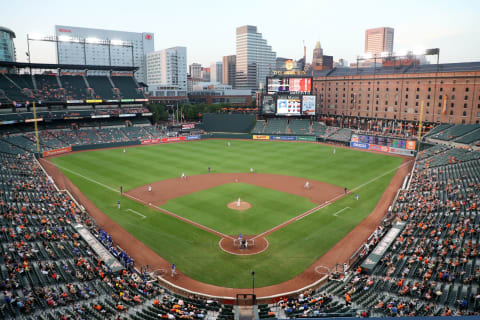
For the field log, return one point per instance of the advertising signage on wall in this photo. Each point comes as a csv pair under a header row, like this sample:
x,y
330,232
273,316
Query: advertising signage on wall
x,y
308,105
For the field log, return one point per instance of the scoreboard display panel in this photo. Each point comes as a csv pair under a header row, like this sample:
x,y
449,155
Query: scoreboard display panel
x,y
382,141
276,85
268,105
300,84
289,105
286,85
308,105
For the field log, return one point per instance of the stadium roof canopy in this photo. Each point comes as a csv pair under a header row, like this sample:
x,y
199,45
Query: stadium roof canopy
x,y
8,31
20,65
412,68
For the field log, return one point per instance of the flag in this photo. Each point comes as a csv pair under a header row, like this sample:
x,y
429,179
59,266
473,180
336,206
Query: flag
x,y
444,109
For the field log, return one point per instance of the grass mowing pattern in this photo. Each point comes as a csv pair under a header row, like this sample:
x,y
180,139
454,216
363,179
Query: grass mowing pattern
x,y
196,252
269,208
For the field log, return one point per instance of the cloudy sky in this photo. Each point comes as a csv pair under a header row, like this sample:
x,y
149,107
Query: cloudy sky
x,y
207,28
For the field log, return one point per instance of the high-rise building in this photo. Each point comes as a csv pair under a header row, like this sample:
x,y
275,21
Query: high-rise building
x,y
255,58
319,60
7,47
196,71
85,46
379,40
229,64
205,74
168,67
216,72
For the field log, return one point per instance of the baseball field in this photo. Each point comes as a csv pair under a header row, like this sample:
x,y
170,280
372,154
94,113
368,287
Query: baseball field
x,y
183,220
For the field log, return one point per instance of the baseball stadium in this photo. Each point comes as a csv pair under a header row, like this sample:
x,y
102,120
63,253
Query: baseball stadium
x,y
278,211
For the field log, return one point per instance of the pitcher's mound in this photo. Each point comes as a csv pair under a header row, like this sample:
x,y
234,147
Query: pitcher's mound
x,y
243,205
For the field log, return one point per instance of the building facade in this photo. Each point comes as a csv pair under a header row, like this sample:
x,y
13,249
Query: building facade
x,y
319,60
255,59
450,93
216,72
85,46
195,71
7,47
379,40
228,69
168,67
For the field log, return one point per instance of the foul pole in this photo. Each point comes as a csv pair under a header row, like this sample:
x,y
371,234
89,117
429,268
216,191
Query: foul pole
x,y
420,123
36,127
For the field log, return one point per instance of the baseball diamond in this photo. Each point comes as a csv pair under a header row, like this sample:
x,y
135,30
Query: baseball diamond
x,y
186,218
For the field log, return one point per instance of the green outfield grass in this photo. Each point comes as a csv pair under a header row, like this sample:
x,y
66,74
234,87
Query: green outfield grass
x,y
292,249
269,208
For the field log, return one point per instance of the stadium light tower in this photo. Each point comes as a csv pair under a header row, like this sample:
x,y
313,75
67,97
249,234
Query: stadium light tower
x,y
85,41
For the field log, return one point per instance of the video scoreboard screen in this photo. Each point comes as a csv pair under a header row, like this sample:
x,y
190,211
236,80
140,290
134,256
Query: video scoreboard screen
x,y
383,141
289,105
286,85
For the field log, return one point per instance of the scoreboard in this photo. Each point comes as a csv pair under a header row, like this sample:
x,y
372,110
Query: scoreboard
x,y
383,141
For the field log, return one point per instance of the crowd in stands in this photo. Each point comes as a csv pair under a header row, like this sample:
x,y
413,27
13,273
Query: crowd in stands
x,y
47,270
433,266
51,88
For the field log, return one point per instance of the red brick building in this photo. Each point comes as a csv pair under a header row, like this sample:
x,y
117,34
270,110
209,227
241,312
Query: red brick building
x,y
450,92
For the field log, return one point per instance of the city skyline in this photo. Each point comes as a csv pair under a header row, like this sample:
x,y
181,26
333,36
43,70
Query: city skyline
x,y
339,26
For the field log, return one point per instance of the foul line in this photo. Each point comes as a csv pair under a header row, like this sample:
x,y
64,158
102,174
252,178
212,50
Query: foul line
x,y
336,213
137,213
198,225
84,177
327,203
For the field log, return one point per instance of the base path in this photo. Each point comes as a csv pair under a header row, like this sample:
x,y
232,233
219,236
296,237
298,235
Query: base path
x,y
143,255
162,191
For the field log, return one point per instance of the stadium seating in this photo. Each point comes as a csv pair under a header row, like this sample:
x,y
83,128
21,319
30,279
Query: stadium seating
x,y
101,86
453,132
75,87
48,88
299,127
259,127
47,271
341,135
10,91
128,87
433,266
276,126
471,137
318,129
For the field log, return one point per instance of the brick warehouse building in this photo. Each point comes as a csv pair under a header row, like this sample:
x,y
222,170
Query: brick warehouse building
x,y
451,93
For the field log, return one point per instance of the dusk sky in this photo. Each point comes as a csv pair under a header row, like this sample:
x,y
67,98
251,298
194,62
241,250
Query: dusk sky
x,y
207,28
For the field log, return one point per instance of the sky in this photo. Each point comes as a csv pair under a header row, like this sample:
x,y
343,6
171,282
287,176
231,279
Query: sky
x,y
207,27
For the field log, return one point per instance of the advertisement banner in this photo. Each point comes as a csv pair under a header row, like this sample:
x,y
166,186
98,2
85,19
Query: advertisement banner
x,y
124,115
402,151
147,114
308,105
95,116
188,126
354,138
260,137
141,100
359,145
411,145
34,120
306,138
126,100
74,101
56,151
283,138
150,141
194,137
375,147
94,101
173,139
